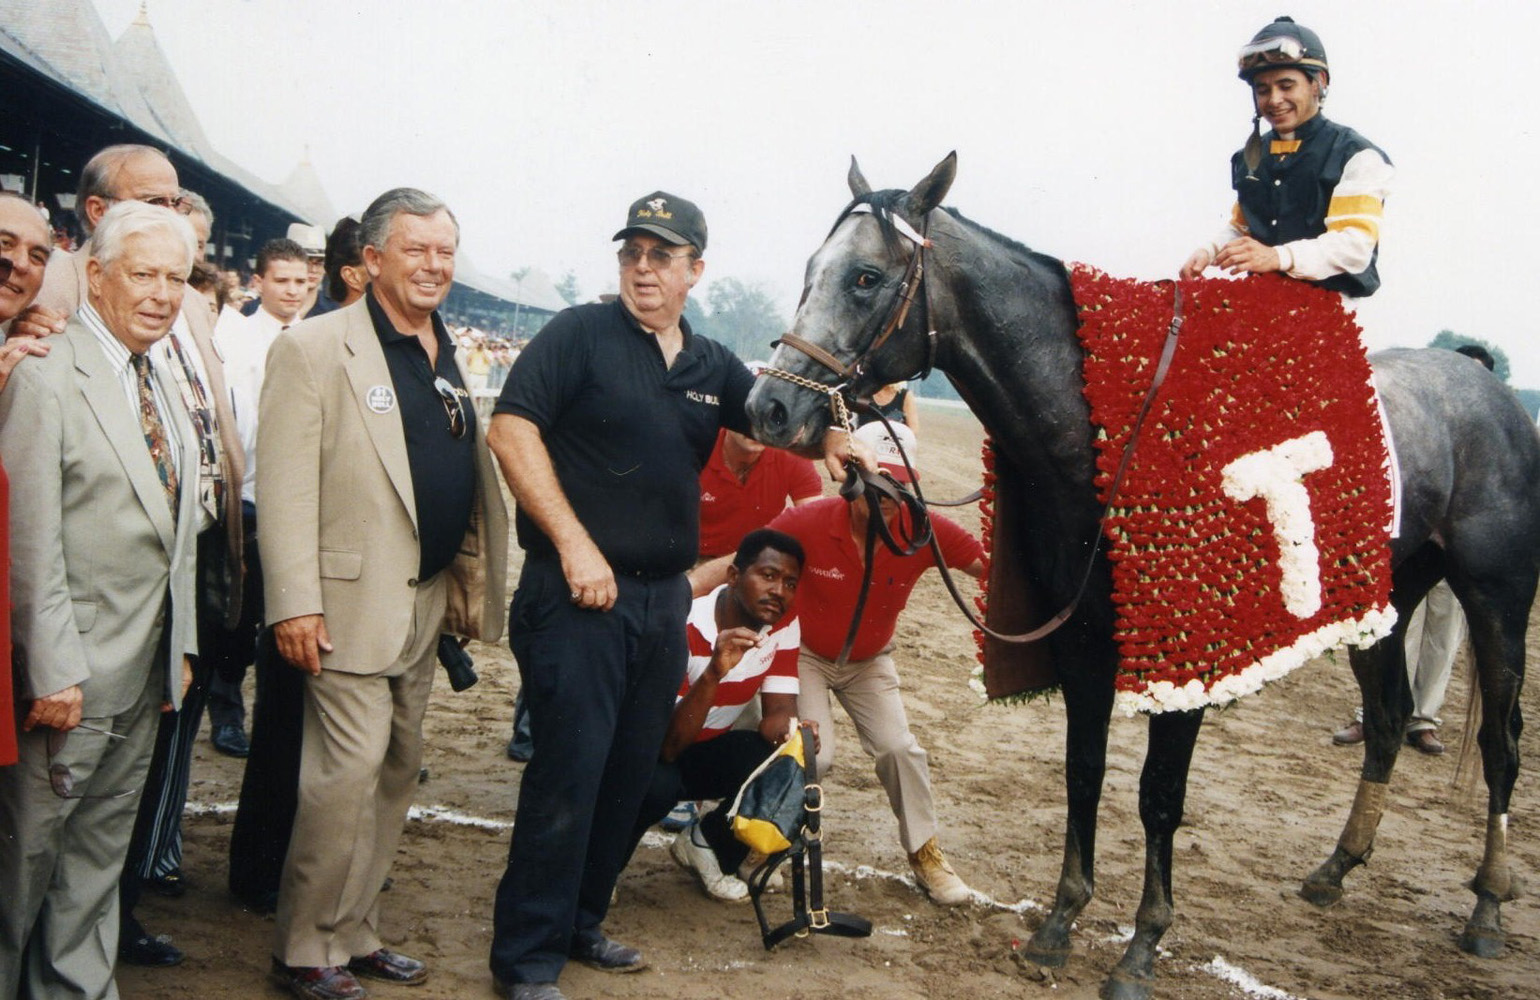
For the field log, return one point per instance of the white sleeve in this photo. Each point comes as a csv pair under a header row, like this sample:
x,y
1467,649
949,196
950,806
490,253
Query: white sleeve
x,y
1352,223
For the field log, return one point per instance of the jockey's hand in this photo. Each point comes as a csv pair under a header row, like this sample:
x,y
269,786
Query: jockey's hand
x,y
1245,255
1199,260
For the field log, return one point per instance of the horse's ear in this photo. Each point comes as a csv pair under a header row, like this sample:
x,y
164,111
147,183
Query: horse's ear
x,y
858,186
929,193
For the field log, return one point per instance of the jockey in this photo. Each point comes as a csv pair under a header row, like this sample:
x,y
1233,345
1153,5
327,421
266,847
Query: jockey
x,y
1308,198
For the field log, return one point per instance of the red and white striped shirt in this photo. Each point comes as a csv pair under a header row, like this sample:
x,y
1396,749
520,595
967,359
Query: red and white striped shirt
x,y
771,667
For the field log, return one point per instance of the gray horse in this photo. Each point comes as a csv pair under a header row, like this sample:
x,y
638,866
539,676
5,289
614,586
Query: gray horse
x,y
1004,324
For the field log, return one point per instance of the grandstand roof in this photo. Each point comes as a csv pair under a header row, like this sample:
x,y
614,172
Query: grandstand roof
x,y
66,41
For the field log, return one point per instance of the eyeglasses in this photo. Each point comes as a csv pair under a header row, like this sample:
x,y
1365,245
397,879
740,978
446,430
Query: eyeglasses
x,y
178,204
658,257
60,778
452,406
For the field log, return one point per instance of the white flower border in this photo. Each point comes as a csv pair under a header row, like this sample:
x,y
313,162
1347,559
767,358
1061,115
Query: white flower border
x,y
1164,696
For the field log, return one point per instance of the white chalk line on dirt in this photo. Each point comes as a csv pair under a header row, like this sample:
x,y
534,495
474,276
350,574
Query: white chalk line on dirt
x,y
1218,968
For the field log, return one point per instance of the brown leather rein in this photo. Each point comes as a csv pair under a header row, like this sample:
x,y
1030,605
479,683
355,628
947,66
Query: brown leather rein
x,y
875,486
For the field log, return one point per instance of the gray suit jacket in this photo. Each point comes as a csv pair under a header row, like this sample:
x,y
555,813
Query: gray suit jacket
x,y
339,518
65,287
93,546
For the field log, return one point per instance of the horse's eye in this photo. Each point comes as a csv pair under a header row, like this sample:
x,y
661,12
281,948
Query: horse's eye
x,y
866,279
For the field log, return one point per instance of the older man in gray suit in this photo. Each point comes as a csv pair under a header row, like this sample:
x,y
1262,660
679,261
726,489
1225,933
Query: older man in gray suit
x,y
104,474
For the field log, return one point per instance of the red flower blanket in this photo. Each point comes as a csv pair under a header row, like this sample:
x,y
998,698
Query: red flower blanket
x,y
1249,535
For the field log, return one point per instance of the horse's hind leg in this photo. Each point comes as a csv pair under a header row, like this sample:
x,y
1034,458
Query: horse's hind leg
x,y
1162,794
1387,702
1498,624
1085,766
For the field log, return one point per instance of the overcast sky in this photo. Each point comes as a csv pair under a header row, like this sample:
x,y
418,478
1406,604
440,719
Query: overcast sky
x,y
1094,131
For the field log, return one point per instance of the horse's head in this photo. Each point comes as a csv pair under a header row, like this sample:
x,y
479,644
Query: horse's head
x,y
854,327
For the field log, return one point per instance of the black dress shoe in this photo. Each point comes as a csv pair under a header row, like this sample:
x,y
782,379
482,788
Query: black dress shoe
x,y
172,885
150,952
230,741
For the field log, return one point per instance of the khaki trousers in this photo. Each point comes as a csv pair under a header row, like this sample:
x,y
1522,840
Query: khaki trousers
x,y
358,774
868,691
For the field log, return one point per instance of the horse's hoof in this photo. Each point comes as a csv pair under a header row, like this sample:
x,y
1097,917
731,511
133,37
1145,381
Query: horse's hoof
x,y
1049,957
1483,942
1322,894
1122,986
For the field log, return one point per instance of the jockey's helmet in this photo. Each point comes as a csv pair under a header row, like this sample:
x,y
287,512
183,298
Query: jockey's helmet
x,y
1283,45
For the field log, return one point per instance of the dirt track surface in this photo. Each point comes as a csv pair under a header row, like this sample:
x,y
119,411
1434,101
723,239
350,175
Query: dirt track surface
x,y
1267,799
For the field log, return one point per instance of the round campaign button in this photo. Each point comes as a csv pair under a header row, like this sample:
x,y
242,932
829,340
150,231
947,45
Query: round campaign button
x,y
381,398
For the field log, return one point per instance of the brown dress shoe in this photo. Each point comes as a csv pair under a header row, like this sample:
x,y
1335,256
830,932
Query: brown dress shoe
x,y
1425,741
323,983
389,966
1349,735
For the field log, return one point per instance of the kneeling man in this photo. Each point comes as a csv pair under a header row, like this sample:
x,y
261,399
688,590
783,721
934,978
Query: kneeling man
x,y
743,641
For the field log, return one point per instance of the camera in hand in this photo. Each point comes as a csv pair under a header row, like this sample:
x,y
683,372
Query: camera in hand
x,y
457,662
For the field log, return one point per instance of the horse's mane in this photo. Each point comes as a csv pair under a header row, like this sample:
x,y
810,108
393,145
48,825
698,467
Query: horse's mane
x,y
891,201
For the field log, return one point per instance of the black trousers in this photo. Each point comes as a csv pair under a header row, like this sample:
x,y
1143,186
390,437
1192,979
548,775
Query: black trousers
x,y
156,845
601,688
715,769
264,817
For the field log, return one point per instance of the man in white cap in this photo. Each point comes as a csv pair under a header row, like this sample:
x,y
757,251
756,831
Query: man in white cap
x,y
832,533
313,240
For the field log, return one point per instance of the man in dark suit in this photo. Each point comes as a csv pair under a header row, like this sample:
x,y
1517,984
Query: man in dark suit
x,y
391,529
103,518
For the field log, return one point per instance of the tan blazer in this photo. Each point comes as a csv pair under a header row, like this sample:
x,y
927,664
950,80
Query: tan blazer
x,y
93,546
338,515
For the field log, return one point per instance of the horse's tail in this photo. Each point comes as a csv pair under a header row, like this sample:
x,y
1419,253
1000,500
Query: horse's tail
x,y
1467,767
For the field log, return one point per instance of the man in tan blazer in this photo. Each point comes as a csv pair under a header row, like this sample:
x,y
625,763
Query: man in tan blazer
x,y
388,527
104,490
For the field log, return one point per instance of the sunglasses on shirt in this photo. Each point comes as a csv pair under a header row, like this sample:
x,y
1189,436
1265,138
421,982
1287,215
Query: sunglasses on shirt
x,y
452,406
60,778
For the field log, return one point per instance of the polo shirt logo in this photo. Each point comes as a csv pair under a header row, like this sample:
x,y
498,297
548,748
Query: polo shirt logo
x,y
701,397
708,497
830,573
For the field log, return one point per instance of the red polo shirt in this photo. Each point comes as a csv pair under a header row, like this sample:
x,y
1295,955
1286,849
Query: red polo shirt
x,y
730,509
831,577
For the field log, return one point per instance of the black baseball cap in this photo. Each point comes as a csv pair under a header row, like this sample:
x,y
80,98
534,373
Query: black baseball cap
x,y
667,217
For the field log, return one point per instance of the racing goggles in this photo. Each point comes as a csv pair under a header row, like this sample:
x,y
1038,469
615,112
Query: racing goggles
x,y
1280,50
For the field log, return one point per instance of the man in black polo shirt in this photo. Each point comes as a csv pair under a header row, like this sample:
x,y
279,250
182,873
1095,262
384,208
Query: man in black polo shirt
x,y
601,431
383,525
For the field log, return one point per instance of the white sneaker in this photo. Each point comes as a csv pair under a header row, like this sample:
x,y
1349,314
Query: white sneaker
x,y
936,876
775,883
702,861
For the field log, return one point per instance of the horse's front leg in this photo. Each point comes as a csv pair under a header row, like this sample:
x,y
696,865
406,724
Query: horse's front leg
x,y
1085,766
1498,641
1162,795
1387,702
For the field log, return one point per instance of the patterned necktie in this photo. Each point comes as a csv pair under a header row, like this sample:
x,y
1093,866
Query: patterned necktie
x,y
211,478
154,433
